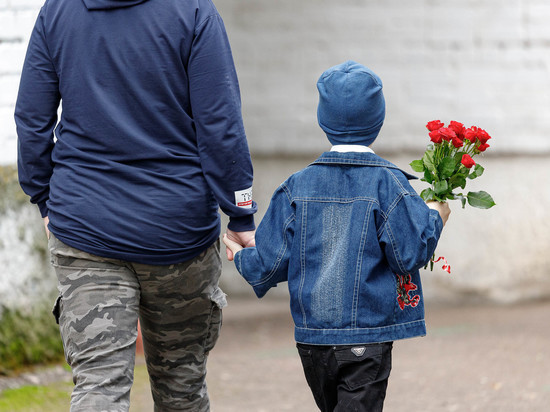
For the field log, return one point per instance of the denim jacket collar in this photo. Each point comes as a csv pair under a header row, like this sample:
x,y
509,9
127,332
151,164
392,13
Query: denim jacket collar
x,y
358,159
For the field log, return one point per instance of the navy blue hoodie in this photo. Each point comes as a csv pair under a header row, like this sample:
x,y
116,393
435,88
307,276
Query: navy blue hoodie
x,y
150,141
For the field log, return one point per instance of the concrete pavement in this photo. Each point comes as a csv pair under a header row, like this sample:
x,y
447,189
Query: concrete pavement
x,y
475,358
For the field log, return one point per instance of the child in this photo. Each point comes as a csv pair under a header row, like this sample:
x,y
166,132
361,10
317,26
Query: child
x,y
349,234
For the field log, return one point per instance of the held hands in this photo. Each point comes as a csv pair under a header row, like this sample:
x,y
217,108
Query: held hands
x,y
236,241
442,207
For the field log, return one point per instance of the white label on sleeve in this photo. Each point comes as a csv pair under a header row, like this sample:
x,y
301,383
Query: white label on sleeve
x,y
243,198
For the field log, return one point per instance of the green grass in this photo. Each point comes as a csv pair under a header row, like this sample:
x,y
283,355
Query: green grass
x,y
28,339
55,397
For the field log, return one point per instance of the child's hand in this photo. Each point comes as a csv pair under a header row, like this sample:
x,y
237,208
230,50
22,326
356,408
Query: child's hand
x,y
244,239
442,207
233,246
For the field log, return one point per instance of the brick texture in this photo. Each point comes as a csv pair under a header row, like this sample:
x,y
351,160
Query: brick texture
x,y
480,62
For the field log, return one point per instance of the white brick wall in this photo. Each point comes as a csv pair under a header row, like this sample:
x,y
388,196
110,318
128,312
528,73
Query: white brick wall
x,y
17,18
481,62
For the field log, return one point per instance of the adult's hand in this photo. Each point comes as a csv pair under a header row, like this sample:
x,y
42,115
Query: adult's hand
x,y
232,247
46,221
245,239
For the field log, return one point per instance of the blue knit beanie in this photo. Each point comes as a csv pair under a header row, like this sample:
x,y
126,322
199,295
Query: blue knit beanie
x,y
351,104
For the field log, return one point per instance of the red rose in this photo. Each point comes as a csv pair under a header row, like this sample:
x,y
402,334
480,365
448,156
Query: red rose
x,y
483,136
457,142
482,147
467,161
457,127
447,133
434,125
471,134
435,136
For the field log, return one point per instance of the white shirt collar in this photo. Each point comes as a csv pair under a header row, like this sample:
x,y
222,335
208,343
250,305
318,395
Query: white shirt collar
x,y
344,148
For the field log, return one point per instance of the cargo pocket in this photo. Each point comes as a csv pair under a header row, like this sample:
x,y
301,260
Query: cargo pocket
x,y
218,303
362,364
56,311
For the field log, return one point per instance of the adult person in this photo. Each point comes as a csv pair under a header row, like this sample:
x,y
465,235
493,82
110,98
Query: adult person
x,y
150,143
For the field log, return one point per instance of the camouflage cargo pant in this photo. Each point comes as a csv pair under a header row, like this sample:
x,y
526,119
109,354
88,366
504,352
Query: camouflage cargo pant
x,y
100,299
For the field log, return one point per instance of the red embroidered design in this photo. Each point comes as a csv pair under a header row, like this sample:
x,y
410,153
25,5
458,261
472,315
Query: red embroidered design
x,y
404,286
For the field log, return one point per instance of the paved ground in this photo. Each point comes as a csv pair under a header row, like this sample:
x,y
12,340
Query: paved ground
x,y
477,358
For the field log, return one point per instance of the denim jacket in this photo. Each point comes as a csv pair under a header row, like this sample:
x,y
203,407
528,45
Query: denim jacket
x,y
349,234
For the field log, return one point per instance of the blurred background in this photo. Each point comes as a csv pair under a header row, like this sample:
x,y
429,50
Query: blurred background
x,y
479,62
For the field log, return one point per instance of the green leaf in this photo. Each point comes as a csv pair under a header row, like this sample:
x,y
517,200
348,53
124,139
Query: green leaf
x,y
428,160
462,199
427,194
481,200
417,165
446,167
458,180
441,187
428,177
478,171
458,157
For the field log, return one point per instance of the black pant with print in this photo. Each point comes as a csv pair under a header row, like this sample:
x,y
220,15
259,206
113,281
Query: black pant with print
x,y
347,378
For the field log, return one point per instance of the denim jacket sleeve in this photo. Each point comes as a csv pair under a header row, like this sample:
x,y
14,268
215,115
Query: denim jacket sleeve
x,y
266,264
410,233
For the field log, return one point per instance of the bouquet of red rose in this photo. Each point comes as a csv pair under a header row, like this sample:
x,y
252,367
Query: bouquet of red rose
x,y
448,163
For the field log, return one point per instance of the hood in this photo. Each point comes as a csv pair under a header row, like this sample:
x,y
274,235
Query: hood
x,y
110,4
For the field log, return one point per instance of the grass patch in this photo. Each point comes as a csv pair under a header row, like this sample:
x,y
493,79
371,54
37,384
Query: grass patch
x,y
55,397
28,339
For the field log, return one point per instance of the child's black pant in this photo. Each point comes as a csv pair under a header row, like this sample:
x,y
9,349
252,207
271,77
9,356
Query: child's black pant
x,y
347,378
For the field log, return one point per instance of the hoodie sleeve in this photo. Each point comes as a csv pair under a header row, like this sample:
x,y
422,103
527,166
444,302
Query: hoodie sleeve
x,y
216,107
266,264
36,117
410,233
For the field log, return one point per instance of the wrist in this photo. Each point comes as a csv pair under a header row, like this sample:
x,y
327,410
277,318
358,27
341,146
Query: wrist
x,y
241,223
